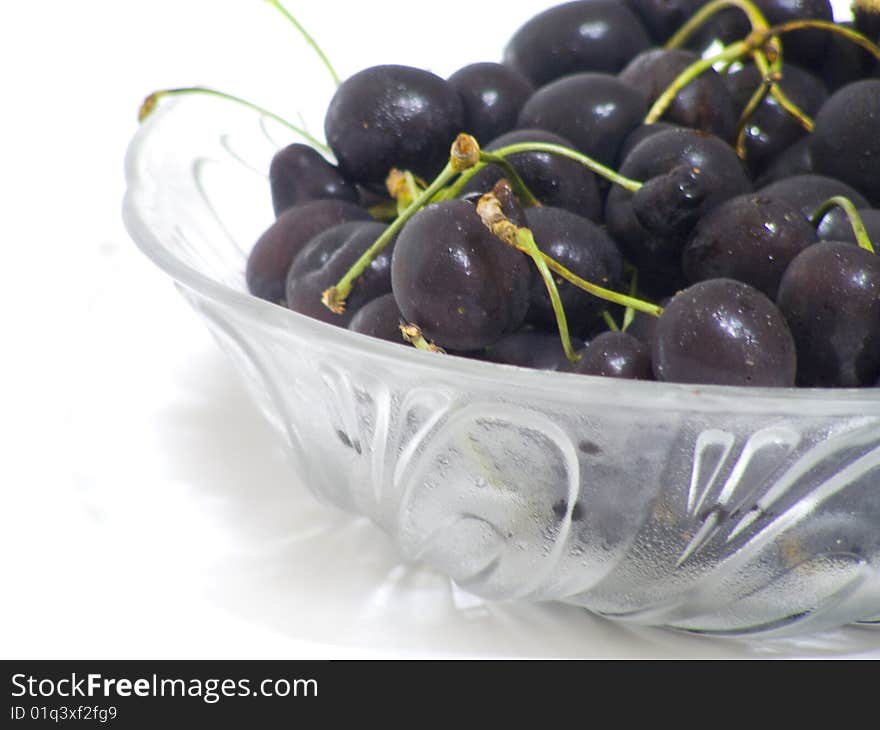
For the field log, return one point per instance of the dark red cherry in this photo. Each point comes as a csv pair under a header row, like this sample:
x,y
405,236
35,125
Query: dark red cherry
x,y
845,142
595,111
589,35
527,349
379,318
493,95
705,103
584,249
724,332
845,62
616,355
272,255
808,192
326,259
298,173
453,278
751,238
643,131
721,177
830,295
835,226
793,160
662,18
392,116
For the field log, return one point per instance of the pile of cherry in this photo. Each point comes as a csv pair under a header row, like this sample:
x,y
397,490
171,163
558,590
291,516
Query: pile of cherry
x,y
657,189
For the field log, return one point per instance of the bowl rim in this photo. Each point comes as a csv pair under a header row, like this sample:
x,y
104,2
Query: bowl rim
x,y
647,393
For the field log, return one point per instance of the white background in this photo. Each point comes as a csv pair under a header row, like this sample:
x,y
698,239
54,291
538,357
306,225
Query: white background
x,y
146,509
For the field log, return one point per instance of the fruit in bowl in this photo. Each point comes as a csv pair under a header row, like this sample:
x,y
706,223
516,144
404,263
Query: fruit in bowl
x,y
650,393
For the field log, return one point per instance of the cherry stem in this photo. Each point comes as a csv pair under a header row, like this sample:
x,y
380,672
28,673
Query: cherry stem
x,y
403,188
855,220
733,52
522,239
554,149
608,295
609,320
334,297
412,333
852,35
629,313
519,187
708,11
779,95
151,102
464,154
755,101
311,41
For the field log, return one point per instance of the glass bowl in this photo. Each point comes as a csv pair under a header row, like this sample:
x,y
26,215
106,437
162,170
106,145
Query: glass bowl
x,y
717,510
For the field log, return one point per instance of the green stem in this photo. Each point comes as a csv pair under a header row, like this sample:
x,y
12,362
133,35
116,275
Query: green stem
x,y
520,188
609,320
413,335
311,41
852,35
554,149
153,99
607,294
779,95
454,190
755,16
629,313
855,220
733,52
526,243
755,101
334,298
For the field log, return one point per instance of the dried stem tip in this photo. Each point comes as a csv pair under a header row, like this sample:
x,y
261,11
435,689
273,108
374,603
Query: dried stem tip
x,y
492,215
412,333
148,106
465,153
330,299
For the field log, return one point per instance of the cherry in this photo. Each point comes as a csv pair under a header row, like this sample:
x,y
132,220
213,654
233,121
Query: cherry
x,y
662,18
845,143
792,161
299,173
722,177
830,295
392,116
643,131
595,111
616,355
326,258
670,204
379,318
845,62
836,227
589,35
274,252
705,103
808,192
529,349
724,332
751,238
452,277
492,95
583,248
